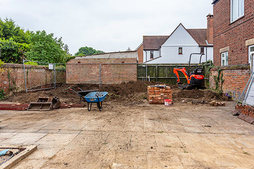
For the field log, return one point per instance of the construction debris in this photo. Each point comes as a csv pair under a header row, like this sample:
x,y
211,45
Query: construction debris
x,y
5,152
215,103
246,113
45,104
11,155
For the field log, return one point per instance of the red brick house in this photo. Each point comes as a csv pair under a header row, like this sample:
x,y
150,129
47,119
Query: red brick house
x,y
233,43
233,31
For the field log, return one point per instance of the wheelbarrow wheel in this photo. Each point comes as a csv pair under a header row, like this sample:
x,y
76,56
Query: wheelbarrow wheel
x,y
89,106
99,105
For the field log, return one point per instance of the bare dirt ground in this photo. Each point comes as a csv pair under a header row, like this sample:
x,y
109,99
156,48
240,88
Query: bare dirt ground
x,y
132,136
126,93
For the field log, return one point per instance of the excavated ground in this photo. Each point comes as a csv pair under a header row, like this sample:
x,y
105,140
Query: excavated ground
x,y
127,93
130,133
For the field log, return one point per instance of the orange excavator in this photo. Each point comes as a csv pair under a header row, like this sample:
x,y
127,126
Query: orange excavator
x,y
195,79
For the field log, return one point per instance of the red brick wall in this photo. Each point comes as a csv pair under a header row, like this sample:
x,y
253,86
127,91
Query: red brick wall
x,y
233,34
113,71
12,77
235,80
140,54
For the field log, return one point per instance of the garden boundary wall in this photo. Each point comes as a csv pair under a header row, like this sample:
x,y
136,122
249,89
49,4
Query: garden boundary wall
x,y
108,68
231,80
12,77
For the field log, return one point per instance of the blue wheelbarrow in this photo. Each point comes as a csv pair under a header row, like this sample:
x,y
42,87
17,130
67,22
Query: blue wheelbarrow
x,y
95,97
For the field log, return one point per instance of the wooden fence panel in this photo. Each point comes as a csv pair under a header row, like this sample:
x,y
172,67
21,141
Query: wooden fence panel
x,y
164,73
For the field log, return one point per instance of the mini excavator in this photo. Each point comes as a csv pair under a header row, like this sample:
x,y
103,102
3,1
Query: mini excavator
x,y
195,79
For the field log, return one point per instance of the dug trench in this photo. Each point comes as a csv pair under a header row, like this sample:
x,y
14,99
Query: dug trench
x,y
130,93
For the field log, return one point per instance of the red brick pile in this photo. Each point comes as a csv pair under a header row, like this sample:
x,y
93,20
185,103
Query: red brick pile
x,y
158,93
246,113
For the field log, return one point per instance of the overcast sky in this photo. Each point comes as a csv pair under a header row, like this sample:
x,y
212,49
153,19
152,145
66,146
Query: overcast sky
x,y
108,25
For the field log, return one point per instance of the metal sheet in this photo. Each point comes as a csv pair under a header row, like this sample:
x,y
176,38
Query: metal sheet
x,y
250,93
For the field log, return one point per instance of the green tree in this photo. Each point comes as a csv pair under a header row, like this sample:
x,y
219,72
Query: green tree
x,y
86,51
11,51
17,44
14,41
9,30
46,48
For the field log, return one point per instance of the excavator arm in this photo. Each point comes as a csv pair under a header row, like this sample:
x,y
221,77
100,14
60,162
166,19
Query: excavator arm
x,y
184,71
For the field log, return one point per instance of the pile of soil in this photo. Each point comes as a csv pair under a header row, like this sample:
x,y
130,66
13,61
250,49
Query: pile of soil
x,y
197,95
63,92
127,93
131,92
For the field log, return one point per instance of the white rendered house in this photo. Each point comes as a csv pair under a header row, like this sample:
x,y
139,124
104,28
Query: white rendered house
x,y
177,47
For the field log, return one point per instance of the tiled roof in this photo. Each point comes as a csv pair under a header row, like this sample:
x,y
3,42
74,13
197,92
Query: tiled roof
x,y
153,42
199,35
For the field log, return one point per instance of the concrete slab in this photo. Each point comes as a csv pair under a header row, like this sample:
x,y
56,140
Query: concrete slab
x,y
139,136
23,139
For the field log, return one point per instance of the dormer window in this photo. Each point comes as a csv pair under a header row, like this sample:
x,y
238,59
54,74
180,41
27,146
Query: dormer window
x,y
237,9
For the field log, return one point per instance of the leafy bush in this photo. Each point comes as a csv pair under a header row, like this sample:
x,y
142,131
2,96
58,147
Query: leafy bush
x,y
86,51
68,58
2,94
1,63
31,63
11,51
60,67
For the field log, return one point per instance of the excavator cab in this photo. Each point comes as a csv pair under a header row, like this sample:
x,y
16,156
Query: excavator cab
x,y
195,79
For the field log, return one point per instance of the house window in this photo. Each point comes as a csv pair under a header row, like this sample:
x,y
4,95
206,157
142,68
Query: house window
x,y
180,50
224,59
237,9
202,50
151,54
251,57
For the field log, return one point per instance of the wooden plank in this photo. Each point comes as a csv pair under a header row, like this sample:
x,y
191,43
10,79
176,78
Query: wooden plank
x,y
17,158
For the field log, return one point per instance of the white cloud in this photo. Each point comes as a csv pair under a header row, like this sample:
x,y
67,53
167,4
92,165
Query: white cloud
x,y
109,25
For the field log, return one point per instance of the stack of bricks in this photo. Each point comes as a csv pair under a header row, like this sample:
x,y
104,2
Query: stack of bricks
x,y
158,93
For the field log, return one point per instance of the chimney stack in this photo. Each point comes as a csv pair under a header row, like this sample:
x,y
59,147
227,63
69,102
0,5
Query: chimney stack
x,y
210,28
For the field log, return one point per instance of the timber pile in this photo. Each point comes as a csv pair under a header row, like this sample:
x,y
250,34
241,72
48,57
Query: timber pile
x,y
158,93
